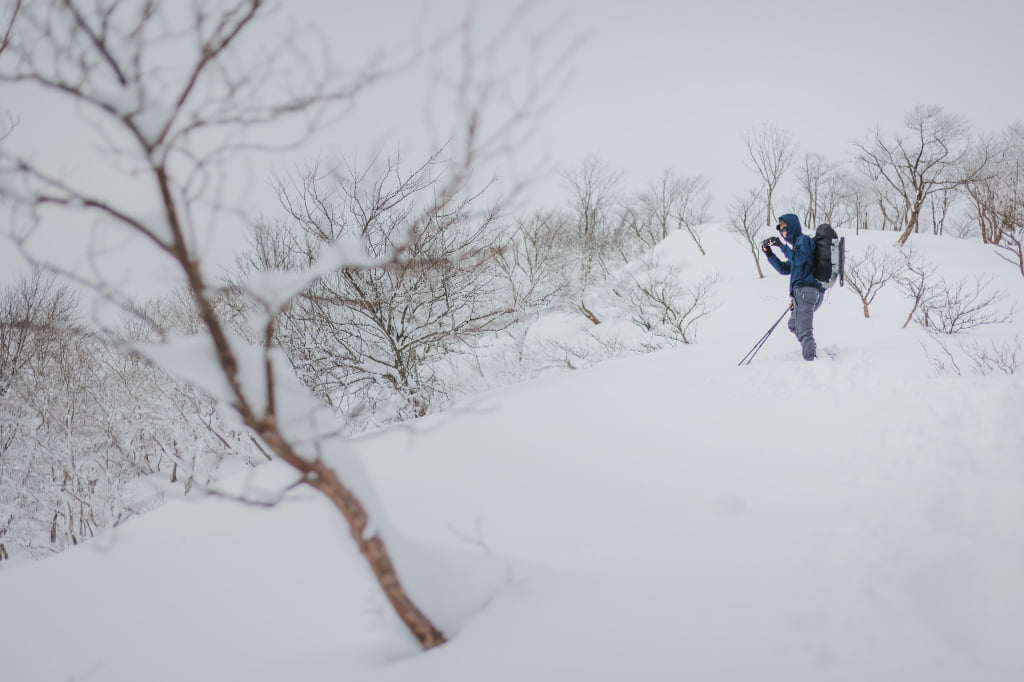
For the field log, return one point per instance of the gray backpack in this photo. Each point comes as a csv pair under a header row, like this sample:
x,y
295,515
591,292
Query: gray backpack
x,y
829,256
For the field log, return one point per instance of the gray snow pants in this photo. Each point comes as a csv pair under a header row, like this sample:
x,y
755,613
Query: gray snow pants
x,y
801,321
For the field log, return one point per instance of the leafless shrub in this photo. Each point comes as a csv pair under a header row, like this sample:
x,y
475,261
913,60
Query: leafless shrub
x,y
868,273
579,355
959,307
1005,357
962,227
534,261
745,224
662,305
916,279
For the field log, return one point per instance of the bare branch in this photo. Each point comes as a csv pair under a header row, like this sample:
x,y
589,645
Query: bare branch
x,y
745,223
173,124
927,160
770,151
6,40
956,308
868,273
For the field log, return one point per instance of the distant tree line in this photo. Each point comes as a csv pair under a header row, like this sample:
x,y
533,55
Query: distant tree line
x,y
930,176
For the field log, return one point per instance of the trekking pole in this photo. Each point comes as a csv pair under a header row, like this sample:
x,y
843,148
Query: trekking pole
x,y
757,346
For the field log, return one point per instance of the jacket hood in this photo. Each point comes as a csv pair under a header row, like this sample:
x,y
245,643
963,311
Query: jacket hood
x,y
792,227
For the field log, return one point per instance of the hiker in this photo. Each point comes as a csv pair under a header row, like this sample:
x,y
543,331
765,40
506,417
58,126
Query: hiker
x,y
804,290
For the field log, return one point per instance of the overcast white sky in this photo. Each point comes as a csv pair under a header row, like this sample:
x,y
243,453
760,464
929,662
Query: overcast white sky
x,y
661,84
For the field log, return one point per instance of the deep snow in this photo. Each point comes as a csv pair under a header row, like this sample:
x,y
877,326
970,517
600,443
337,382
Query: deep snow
x,y
664,517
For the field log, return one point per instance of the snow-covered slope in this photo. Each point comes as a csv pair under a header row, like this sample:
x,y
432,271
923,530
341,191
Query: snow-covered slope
x,y
664,517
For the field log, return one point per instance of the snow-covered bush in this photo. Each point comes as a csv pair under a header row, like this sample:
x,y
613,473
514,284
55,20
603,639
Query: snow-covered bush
x,y
89,436
366,339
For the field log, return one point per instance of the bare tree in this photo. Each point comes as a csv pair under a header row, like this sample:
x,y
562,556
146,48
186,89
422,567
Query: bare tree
x,y
939,205
892,210
926,160
986,194
868,273
745,224
827,191
1008,204
533,261
997,198
916,278
812,176
672,202
365,338
770,151
172,126
1011,246
594,187
859,197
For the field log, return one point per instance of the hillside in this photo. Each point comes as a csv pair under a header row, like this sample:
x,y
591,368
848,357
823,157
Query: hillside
x,y
664,517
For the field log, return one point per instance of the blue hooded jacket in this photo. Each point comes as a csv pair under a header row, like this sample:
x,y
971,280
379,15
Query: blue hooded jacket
x,y
799,253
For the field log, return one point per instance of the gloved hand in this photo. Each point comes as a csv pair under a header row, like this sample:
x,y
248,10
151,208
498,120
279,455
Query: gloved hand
x,y
775,241
766,246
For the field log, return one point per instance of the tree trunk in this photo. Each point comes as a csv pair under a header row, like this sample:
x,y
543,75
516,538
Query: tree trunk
x,y
316,473
589,314
915,215
910,316
376,554
321,477
866,313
